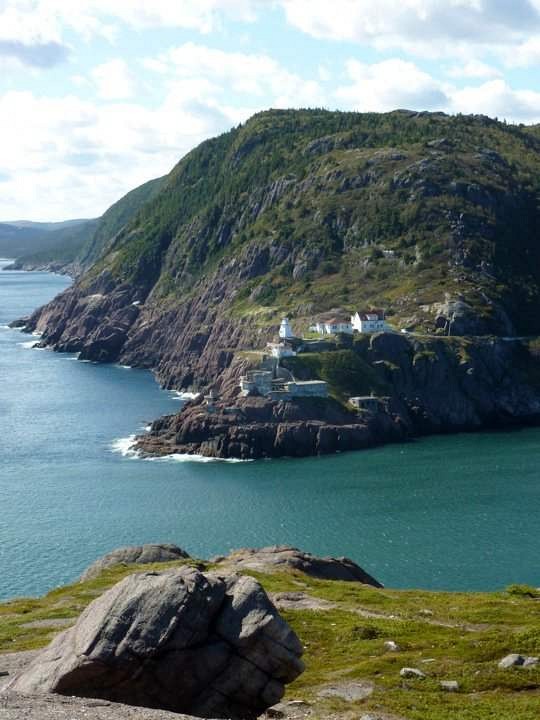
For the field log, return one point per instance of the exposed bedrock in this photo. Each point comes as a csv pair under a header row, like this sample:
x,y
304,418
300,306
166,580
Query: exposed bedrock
x,y
255,427
178,640
135,554
280,557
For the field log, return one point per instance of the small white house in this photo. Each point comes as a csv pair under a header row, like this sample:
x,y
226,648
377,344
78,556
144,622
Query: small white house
x,y
285,330
281,350
368,322
333,326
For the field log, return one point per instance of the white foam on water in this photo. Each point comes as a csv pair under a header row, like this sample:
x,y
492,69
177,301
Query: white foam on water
x,y
35,333
186,457
126,448
185,395
29,344
124,367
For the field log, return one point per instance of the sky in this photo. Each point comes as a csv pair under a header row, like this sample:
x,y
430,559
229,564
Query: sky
x,y
98,96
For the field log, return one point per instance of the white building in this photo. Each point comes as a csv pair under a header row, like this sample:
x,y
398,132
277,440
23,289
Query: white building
x,y
333,326
256,382
368,322
285,330
281,350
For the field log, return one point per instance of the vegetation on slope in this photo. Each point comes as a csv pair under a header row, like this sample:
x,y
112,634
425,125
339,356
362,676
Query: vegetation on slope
x,y
79,245
342,210
449,636
26,238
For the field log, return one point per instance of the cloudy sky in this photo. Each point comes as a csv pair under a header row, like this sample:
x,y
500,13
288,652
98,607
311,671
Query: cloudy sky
x,y
97,96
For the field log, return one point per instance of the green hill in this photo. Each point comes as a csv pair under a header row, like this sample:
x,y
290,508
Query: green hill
x,y
75,245
346,209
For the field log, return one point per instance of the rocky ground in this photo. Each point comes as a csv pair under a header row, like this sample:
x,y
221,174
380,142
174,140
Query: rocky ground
x,y
431,385
370,653
255,427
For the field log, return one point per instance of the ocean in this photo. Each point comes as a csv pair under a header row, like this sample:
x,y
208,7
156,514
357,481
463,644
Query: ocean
x,y
451,512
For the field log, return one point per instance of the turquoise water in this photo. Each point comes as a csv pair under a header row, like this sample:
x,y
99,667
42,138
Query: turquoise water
x,y
456,512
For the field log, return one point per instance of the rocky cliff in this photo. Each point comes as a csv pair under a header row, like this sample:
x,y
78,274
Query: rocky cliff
x,y
302,213
427,385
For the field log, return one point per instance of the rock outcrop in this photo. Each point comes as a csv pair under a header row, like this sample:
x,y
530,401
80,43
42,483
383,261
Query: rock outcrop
x,y
255,427
179,640
277,557
135,554
429,385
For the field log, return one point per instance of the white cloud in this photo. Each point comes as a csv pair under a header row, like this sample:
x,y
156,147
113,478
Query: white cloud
x,y
31,31
221,74
396,83
433,28
114,80
527,54
65,157
389,85
473,69
497,99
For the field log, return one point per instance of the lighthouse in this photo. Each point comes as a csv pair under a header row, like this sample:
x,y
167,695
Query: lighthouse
x,y
285,331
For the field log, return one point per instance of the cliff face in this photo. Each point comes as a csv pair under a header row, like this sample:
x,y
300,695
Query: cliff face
x,y
298,213
429,386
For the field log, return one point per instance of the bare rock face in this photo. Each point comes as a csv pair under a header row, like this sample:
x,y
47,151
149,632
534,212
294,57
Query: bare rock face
x,y
270,559
135,554
179,640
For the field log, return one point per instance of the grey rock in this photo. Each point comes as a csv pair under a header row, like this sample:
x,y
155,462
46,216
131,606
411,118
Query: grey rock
x,y
391,646
276,557
351,691
408,672
135,554
289,709
449,685
59,707
179,640
512,660
530,662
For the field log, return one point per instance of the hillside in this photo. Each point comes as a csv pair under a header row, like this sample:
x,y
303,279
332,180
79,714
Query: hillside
x,y
343,626
302,212
74,245
24,238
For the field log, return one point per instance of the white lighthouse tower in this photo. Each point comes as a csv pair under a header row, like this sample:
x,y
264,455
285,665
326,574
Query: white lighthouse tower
x,y
285,331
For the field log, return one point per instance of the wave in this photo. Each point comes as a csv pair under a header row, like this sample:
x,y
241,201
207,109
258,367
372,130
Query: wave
x,y
29,344
126,448
184,395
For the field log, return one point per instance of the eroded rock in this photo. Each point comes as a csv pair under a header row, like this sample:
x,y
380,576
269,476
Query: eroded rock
x,y
270,559
179,640
135,554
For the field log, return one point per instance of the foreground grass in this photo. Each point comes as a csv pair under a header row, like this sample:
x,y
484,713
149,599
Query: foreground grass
x,y
449,636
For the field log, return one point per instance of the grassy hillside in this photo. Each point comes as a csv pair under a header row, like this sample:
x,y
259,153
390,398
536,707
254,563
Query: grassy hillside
x,y
26,238
79,244
449,636
111,222
342,210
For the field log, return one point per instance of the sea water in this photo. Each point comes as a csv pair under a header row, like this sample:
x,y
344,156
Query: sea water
x,y
453,512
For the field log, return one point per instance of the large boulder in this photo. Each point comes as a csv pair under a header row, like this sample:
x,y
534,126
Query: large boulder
x,y
178,640
276,557
135,554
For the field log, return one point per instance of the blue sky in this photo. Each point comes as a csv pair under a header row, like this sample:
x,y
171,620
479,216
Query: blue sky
x,y
97,96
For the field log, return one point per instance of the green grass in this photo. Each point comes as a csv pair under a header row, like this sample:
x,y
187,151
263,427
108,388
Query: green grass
x,y
462,635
